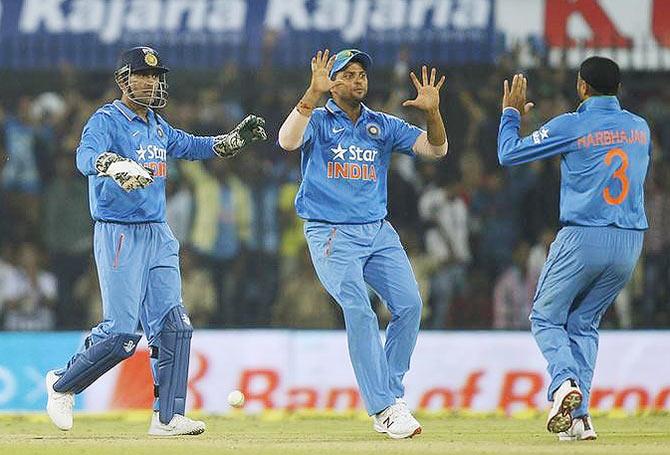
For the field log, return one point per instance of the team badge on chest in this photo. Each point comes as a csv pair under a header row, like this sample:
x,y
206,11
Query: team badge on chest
x,y
373,130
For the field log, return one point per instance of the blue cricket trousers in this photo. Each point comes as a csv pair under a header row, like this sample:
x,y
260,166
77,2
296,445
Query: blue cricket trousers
x,y
138,270
347,258
584,272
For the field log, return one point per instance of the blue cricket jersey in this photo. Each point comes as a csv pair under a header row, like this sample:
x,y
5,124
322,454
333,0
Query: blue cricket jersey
x,y
345,165
605,153
116,128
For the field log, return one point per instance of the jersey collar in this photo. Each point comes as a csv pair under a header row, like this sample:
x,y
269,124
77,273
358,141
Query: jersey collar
x,y
129,113
334,109
125,110
600,102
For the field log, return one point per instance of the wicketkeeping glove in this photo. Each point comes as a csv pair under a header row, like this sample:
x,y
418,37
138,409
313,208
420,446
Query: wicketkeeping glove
x,y
129,174
251,129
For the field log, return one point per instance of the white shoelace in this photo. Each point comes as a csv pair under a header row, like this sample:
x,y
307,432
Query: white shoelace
x,y
404,409
65,402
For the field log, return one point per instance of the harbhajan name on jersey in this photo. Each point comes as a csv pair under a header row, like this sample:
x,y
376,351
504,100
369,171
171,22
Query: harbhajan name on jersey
x,y
611,137
354,163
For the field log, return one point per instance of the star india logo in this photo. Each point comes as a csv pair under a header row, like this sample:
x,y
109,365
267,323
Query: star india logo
x,y
352,163
338,153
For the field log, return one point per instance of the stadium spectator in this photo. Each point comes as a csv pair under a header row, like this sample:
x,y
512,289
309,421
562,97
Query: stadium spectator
x,y
179,206
503,206
445,217
67,236
220,226
20,177
511,301
30,294
197,288
302,302
655,308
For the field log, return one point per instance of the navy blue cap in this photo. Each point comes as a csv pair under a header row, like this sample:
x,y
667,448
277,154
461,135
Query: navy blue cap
x,y
343,58
142,58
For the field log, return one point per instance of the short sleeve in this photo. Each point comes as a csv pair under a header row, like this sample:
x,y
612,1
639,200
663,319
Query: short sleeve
x,y
403,135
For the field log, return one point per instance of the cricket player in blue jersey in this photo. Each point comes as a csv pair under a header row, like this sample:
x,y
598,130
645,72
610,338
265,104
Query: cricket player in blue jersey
x,y
346,153
123,152
605,152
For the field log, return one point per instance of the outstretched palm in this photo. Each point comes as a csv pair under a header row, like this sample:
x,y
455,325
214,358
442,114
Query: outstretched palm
x,y
516,95
321,66
428,92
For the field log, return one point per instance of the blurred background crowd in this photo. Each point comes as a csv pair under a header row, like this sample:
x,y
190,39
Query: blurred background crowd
x,y
477,234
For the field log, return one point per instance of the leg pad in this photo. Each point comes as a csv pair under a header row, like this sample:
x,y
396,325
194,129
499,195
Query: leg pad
x,y
96,360
173,356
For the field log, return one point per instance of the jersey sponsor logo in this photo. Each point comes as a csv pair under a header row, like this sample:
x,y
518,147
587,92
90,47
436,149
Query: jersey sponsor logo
x,y
151,152
153,157
355,153
540,135
158,168
612,137
337,130
352,163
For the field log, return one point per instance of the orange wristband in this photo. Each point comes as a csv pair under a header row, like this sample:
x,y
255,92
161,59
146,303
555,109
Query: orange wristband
x,y
304,108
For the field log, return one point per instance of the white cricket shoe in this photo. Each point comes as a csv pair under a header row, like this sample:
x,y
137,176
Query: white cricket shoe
x,y
178,426
580,430
397,421
567,398
59,405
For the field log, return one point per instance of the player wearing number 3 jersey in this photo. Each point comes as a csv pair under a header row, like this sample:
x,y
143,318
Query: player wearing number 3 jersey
x,y
605,153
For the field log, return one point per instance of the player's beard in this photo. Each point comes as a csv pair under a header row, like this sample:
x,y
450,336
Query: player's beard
x,y
355,96
354,99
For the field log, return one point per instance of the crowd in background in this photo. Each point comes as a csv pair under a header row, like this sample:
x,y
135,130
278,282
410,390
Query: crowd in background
x,y
477,234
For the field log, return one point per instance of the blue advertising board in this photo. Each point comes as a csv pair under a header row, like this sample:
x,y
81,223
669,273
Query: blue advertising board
x,y
25,358
89,34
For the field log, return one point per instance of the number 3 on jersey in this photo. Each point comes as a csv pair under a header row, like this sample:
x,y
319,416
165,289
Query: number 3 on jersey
x,y
619,174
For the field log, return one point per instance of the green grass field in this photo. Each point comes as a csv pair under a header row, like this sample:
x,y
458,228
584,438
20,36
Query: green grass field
x,y
322,434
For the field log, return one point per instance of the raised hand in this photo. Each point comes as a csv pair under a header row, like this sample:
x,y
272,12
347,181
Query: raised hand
x,y
252,129
321,66
516,95
427,91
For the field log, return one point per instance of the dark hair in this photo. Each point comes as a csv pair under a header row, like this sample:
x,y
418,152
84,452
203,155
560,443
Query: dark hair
x,y
602,74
